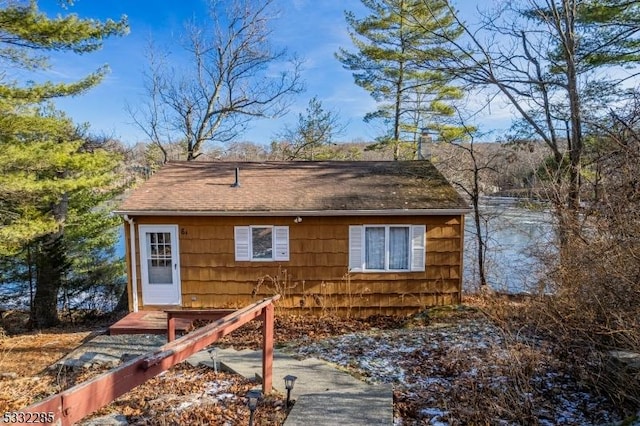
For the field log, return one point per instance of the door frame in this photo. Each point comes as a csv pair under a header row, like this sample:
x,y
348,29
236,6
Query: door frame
x,y
148,299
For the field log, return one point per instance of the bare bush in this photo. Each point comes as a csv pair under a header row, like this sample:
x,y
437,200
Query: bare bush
x,y
592,312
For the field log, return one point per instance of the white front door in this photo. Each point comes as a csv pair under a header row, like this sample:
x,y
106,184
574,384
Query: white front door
x,y
160,264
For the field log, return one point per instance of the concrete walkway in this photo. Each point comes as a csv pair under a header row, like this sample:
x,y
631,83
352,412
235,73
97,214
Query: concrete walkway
x,y
323,394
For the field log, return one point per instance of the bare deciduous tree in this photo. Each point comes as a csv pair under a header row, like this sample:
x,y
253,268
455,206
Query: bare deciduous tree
x,y
229,79
544,58
466,168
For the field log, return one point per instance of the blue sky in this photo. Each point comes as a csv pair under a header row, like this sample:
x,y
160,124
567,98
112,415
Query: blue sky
x,y
313,29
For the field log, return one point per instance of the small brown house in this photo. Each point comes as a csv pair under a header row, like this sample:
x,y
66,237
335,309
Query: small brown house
x,y
357,237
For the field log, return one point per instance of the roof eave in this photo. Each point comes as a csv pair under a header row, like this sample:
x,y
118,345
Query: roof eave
x,y
252,213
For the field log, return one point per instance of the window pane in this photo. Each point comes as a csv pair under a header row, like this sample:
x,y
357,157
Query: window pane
x,y
160,272
374,247
262,243
398,248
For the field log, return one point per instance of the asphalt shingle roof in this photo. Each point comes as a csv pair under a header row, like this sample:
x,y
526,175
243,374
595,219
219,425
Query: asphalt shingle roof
x,y
271,187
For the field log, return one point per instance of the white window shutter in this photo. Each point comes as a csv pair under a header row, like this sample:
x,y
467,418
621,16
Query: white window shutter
x,y
418,247
281,242
242,234
356,248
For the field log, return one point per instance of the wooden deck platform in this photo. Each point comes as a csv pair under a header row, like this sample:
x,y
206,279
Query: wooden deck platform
x,y
148,322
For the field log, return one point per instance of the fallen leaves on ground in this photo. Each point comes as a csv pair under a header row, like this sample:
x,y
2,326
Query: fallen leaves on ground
x,y
294,327
186,395
22,391
25,357
448,366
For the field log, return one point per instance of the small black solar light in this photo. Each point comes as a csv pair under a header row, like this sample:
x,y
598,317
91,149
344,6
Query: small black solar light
x,y
252,402
289,380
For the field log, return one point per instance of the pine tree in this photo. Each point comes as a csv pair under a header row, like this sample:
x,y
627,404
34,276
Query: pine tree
x,y
312,136
393,43
44,161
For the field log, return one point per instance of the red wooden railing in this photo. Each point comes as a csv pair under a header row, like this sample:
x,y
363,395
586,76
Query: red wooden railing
x,y
191,314
72,405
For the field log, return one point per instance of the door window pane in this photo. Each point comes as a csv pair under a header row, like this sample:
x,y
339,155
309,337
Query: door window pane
x,y
262,243
374,247
159,261
160,274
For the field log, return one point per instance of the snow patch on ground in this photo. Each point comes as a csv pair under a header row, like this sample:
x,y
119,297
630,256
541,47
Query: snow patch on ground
x,y
442,372
215,388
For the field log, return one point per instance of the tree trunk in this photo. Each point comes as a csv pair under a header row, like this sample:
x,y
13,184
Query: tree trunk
x,y
482,245
50,267
123,302
575,143
399,87
477,218
396,119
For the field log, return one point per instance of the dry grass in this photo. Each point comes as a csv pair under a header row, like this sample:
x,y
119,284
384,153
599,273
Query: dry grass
x,y
28,354
579,334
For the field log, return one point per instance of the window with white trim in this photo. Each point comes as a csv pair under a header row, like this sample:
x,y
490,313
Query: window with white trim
x,y
386,248
261,243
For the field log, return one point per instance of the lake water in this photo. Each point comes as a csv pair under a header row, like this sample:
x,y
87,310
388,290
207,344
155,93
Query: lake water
x,y
516,235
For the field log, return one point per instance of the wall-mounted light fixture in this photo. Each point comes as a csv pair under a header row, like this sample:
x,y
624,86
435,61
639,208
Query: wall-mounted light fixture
x,y
297,219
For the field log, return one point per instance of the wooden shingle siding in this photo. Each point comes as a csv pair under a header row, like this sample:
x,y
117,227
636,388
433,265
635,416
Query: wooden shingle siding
x,y
316,278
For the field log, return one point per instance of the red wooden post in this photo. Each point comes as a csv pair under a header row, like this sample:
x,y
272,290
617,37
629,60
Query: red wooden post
x,y
267,348
171,327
